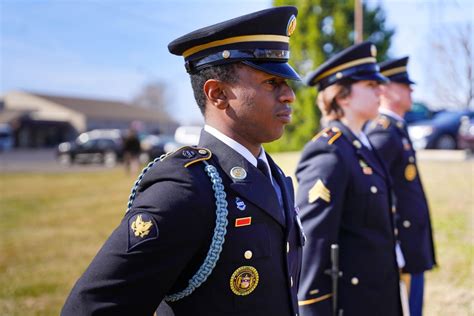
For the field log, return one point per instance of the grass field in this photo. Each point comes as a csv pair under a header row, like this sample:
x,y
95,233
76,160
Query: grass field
x,y
51,225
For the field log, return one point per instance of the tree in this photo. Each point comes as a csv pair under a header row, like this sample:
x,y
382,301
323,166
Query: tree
x,y
153,96
453,77
324,28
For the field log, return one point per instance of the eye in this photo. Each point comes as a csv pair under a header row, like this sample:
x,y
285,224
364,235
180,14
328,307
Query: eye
x,y
272,82
372,84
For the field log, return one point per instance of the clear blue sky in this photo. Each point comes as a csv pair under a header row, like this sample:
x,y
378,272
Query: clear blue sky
x,y
110,49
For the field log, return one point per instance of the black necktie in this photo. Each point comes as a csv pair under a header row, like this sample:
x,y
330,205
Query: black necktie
x,y
262,166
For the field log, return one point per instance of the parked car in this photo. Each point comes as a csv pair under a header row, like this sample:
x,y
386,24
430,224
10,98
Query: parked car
x,y
6,137
438,133
188,135
466,134
153,146
96,146
419,112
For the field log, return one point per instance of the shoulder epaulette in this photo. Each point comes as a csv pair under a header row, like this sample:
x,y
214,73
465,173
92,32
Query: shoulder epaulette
x,y
331,134
190,155
381,121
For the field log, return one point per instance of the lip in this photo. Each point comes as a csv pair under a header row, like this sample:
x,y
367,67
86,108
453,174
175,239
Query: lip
x,y
284,116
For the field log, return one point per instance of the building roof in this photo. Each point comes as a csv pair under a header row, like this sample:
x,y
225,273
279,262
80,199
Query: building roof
x,y
106,109
7,115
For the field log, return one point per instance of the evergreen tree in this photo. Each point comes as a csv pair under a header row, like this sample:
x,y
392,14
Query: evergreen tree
x,y
324,28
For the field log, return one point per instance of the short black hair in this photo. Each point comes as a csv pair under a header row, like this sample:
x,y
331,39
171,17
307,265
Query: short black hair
x,y
225,73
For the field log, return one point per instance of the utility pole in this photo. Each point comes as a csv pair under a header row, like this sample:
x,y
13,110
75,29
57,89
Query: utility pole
x,y
359,24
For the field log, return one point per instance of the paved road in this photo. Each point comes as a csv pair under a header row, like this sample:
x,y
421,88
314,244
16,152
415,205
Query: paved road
x,y
39,160
44,160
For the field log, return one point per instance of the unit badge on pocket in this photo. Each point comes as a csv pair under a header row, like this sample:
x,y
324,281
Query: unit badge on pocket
x,y
244,280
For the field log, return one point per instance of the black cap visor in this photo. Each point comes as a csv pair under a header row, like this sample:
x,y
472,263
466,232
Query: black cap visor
x,y
283,70
401,78
375,76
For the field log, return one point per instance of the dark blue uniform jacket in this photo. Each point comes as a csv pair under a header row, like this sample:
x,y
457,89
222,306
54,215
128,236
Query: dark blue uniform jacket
x,y
131,275
391,140
344,198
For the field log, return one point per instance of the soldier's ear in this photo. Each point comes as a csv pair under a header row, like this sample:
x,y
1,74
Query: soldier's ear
x,y
342,101
216,94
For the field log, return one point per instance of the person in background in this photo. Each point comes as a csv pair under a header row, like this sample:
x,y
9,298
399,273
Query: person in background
x,y
344,197
131,152
389,135
213,229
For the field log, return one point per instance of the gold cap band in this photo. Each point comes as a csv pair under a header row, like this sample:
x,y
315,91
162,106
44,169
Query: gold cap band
x,y
237,39
366,60
394,71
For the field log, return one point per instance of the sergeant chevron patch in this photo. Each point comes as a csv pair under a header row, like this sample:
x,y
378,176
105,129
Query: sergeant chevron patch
x,y
319,191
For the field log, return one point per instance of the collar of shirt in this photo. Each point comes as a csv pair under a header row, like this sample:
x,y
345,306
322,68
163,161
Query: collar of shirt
x,y
391,114
364,140
236,146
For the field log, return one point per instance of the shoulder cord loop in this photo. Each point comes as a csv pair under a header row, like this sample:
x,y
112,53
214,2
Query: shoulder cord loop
x,y
220,229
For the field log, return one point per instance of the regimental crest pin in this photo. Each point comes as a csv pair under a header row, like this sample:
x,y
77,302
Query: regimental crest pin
x,y
240,204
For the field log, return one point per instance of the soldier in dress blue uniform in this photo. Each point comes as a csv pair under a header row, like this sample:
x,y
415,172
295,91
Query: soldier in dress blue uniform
x,y
344,197
388,134
212,229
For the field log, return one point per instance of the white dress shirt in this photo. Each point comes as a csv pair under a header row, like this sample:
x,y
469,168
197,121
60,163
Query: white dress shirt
x,y
239,148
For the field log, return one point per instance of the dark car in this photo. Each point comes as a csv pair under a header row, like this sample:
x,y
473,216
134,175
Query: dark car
x,y
438,133
466,134
419,112
97,146
153,146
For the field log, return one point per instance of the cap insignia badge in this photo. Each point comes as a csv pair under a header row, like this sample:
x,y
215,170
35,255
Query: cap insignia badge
x,y
291,25
373,51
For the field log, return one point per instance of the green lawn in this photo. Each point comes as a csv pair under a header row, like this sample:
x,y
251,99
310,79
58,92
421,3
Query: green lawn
x,y
52,225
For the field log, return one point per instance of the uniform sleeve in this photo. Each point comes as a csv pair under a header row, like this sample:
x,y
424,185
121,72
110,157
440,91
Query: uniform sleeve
x,y
386,145
322,180
170,222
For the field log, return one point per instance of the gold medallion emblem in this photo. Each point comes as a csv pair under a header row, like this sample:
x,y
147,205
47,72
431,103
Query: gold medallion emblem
x,y
291,25
410,172
141,228
238,173
373,51
244,280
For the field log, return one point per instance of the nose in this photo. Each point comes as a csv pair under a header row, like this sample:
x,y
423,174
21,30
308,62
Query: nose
x,y
287,94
